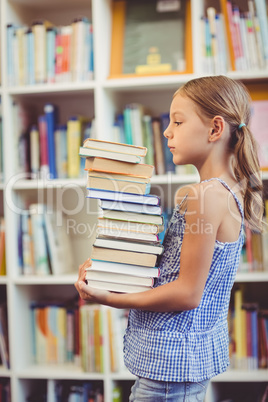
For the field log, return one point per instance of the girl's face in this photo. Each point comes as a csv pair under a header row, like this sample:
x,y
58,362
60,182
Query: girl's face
x,y
187,133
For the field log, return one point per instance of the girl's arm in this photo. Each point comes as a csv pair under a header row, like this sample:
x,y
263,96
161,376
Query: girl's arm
x,y
202,222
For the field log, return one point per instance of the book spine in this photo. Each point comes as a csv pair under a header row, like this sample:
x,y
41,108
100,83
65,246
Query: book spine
x,y
50,114
50,57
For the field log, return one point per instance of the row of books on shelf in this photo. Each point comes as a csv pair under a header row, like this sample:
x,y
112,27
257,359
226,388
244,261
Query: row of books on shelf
x,y
254,255
2,247
235,39
44,244
64,333
68,390
47,148
45,53
248,331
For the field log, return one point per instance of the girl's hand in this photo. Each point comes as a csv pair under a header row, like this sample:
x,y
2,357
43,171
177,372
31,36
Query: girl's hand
x,y
86,292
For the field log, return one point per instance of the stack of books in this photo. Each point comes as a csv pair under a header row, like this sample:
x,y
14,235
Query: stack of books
x,y
127,245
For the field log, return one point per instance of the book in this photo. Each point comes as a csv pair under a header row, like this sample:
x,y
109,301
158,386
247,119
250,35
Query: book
x,y
126,269
118,156
59,243
115,147
4,343
131,217
117,287
120,167
133,187
126,235
159,157
118,176
147,199
149,248
127,226
117,278
131,207
50,111
39,31
39,239
123,256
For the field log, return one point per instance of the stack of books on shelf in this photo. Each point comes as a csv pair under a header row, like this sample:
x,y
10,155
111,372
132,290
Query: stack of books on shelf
x,y
127,245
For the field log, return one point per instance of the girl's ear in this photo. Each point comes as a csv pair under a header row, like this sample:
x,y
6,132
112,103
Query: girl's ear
x,y
216,129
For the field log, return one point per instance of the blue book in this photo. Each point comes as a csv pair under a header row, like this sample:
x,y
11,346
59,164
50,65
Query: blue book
x,y
131,207
254,334
127,126
169,165
29,57
50,53
10,55
148,199
51,118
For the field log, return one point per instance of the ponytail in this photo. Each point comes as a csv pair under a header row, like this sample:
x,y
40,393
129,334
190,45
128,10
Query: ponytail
x,y
247,172
231,100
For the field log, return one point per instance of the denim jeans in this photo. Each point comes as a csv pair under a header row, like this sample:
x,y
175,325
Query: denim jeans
x,y
145,390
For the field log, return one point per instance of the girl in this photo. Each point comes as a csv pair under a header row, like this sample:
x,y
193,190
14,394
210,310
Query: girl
x,y
177,335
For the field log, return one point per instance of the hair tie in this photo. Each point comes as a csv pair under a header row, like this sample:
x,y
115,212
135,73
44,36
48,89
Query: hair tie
x,y
241,125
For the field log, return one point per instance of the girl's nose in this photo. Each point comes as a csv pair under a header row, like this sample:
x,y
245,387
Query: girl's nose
x,y
167,133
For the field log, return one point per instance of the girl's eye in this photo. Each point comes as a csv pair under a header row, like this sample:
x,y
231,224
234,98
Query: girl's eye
x,y
178,123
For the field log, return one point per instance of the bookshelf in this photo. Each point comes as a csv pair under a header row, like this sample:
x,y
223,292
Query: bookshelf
x,y
102,98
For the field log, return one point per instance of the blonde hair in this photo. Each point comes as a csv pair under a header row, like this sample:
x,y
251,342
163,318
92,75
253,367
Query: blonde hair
x,y
220,95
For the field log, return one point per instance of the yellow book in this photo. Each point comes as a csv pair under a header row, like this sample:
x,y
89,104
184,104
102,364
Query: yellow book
x,y
74,139
238,327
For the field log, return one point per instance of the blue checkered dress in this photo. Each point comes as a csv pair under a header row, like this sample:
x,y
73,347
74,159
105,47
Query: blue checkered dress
x,y
189,345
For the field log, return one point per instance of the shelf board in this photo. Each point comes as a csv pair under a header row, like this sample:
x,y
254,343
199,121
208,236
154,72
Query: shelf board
x,y
248,75
4,372
68,279
3,281
264,175
62,87
2,186
172,81
232,375
261,276
43,184
60,372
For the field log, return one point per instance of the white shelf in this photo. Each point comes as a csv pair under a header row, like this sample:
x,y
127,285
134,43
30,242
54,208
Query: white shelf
x,y
3,280
242,376
69,372
69,279
67,88
252,276
47,184
4,372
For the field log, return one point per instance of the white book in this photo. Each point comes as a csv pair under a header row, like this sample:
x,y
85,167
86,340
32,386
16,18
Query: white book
x,y
91,152
131,207
117,287
119,278
129,246
39,239
126,269
126,235
59,244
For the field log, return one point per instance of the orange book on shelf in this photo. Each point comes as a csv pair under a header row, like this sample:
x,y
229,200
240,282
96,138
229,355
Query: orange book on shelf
x,y
224,10
117,44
